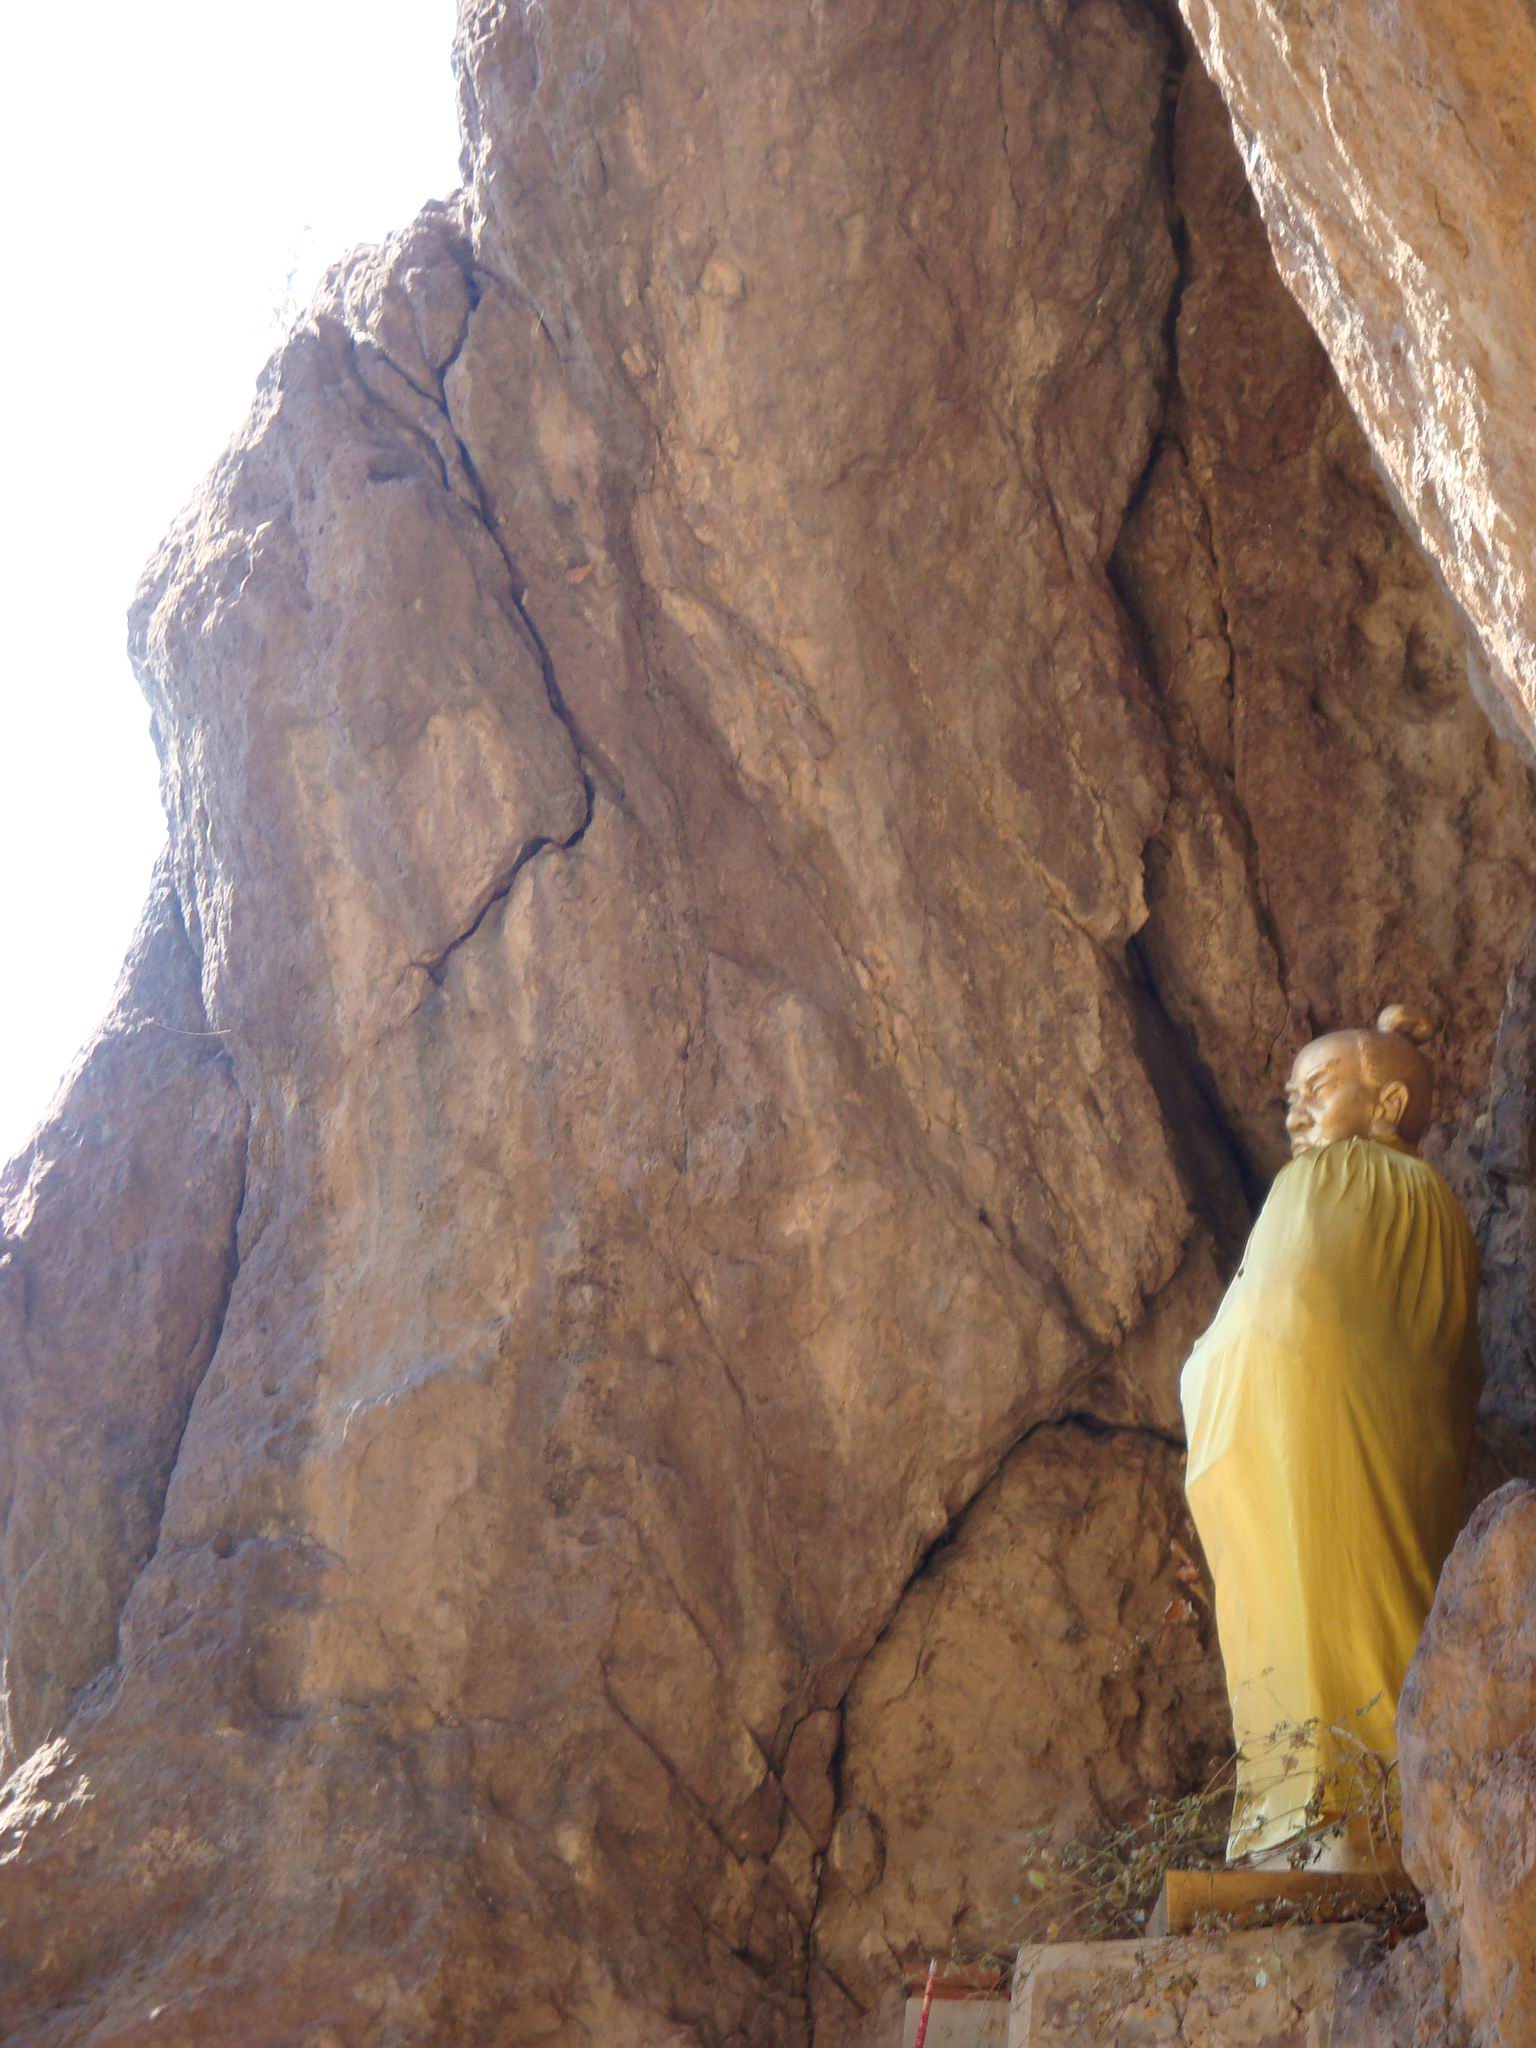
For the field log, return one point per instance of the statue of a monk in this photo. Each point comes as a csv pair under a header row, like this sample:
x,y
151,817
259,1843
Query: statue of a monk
x,y
1329,1414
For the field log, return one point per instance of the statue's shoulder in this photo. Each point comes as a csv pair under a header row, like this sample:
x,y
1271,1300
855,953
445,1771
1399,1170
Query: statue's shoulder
x,y
1328,1167
1352,1175
1361,1174
1431,1188
1305,1201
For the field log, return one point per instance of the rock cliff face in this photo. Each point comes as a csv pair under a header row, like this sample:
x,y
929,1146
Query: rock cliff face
x,y
773,731
1390,151
116,1262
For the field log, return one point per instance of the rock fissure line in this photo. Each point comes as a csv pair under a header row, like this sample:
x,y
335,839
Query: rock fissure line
x,y
832,1926
1263,916
1182,746
1067,1418
1096,1426
483,509
1171,434
434,966
541,842
674,1776
1174,1068
476,500
814,1960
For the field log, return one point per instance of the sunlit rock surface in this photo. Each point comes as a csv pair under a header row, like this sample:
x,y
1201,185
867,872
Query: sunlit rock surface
x,y
1390,148
773,730
117,1256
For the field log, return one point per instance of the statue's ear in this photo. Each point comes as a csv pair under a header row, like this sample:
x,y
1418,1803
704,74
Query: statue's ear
x,y
1392,1103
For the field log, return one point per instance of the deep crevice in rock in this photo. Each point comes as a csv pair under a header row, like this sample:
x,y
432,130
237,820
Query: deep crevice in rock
x,y
477,500
1209,1149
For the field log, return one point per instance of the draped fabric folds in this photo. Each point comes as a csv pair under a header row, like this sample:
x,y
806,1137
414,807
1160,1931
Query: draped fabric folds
x,y
1329,1414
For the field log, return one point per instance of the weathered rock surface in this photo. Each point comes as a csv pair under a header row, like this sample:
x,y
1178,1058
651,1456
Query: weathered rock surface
x,y
1341,819
710,718
1390,151
1500,1144
1329,773
1467,1729
117,1254
1044,1674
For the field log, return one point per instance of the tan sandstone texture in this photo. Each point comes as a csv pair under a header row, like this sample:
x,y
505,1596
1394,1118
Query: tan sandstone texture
x,y
1390,149
1041,1677
117,1254
773,730
1467,1728
1269,1989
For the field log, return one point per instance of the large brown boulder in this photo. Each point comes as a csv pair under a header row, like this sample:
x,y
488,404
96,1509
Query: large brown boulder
x,y
1467,1730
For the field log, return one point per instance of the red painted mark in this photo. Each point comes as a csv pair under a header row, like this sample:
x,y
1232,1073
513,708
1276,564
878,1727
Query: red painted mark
x,y
922,2018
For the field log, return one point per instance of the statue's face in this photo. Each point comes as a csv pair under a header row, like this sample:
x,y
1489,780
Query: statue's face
x,y
1328,1096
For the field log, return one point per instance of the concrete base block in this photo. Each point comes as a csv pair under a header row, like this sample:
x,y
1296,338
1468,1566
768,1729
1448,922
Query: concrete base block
x,y
1272,1988
959,2023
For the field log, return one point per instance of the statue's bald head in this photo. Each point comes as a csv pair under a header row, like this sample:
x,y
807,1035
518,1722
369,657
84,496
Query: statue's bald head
x,y
1391,1053
1363,1084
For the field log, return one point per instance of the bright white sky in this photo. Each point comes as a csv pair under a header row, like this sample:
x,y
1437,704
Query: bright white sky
x,y
174,171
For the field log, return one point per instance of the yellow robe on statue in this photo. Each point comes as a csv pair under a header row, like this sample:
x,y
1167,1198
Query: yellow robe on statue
x,y
1329,1414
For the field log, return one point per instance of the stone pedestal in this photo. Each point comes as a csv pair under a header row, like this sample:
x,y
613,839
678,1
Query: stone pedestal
x,y
959,2023
970,2007
1272,1988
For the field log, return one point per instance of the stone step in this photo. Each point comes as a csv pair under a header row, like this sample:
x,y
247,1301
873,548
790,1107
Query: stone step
x,y
969,2009
959,2023
1271,1988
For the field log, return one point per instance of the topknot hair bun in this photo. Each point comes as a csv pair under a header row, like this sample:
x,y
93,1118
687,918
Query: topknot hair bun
x,y
1408,1021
